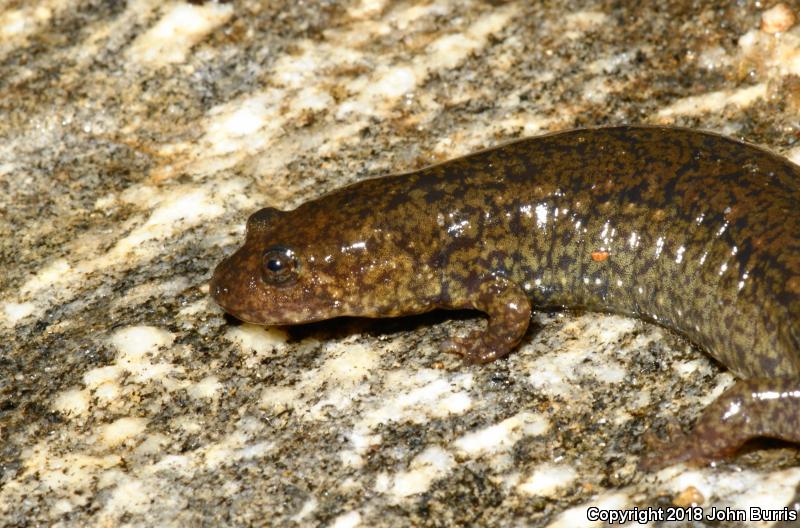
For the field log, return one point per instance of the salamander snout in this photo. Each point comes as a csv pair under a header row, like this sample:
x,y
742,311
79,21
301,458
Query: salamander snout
x,y
218,285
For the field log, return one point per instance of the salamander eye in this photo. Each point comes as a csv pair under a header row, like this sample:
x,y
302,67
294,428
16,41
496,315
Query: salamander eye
x,y
279,266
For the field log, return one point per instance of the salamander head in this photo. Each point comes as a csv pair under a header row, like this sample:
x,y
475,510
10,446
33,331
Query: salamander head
x,y
307,265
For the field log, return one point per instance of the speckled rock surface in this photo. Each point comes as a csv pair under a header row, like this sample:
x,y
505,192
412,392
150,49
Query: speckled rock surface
x,y
135,138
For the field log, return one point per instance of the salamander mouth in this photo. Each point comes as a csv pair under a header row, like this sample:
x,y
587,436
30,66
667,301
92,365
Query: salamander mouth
x,y
257,316
227,300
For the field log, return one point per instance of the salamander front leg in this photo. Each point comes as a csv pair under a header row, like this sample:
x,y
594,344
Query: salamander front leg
x,y
749,409
509,312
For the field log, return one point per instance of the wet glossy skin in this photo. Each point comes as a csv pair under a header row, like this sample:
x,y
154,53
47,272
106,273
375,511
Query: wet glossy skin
x,y
691,230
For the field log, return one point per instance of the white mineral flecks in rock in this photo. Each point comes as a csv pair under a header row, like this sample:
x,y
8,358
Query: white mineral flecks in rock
x,y
548,480
122,429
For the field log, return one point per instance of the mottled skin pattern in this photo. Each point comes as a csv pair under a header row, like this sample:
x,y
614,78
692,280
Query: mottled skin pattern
x,y
691,230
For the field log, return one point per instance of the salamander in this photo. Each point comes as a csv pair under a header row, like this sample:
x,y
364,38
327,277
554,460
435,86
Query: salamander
x,y
691,230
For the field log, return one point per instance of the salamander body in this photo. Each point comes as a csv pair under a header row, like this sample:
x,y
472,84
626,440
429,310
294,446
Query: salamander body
x,y
691,230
